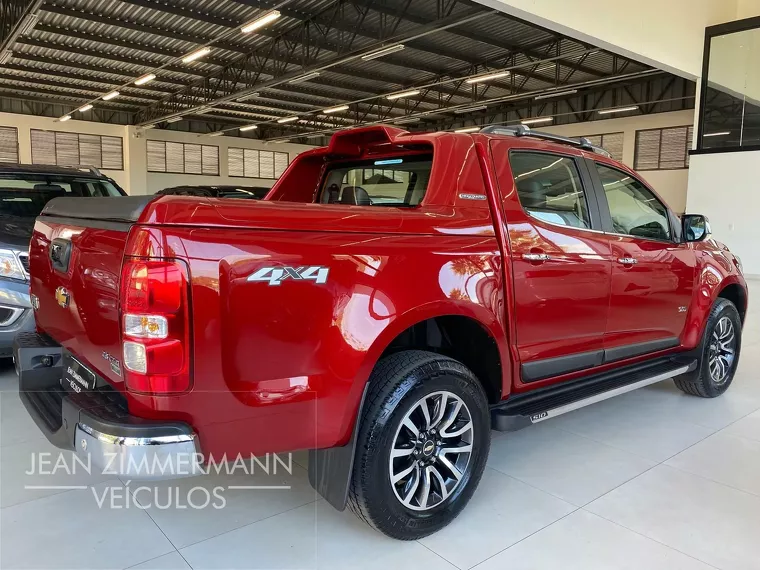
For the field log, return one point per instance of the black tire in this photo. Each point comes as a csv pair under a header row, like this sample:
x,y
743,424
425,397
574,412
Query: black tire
x,y
397,383
701,382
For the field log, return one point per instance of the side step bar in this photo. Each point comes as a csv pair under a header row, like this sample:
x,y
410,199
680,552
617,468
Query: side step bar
x,y
530,408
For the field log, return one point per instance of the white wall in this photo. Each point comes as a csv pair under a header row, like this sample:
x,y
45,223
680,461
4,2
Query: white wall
x,y
668,34
724,187
670,184
135,178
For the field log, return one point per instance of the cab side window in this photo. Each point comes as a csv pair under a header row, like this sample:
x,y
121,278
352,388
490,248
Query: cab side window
x,y
549,188
635,210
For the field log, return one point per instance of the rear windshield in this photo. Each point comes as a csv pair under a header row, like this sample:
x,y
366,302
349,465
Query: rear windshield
x,y
25,195
400,182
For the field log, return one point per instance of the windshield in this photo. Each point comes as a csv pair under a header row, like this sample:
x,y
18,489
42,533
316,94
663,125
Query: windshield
x,y
23,196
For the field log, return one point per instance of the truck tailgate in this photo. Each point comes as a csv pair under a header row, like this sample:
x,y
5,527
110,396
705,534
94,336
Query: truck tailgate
x,y
75,258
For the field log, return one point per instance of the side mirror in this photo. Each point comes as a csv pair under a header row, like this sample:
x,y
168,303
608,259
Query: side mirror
x,y
696,227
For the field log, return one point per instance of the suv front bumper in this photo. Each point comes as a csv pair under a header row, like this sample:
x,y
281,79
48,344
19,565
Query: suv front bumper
x,y
16,314
96,423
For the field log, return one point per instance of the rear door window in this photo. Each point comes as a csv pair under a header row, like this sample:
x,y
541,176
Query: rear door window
x,y
549,188
399,182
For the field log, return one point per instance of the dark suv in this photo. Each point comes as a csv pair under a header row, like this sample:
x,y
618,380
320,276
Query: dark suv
x,y
24,191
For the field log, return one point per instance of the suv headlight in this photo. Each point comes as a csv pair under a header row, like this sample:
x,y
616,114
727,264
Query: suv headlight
x,y
10,267
738,262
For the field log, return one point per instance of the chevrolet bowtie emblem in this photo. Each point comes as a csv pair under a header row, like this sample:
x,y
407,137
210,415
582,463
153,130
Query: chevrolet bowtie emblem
x,y
62,296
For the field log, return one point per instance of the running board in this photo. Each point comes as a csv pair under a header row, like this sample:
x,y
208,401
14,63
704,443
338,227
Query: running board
x,y
531,408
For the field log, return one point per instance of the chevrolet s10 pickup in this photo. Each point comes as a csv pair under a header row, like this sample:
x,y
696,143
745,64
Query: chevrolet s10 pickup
x,y
393,298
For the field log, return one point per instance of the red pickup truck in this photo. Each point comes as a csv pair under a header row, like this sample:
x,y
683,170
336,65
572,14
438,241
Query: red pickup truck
x,y
393,298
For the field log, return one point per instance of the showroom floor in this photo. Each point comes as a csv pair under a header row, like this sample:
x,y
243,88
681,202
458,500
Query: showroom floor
x,y
653,479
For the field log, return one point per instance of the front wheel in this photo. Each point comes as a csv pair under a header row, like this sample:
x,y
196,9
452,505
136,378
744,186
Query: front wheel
x,y
423,444
718,353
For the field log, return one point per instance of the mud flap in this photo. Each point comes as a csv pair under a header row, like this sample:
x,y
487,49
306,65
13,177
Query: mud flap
x,y
330,469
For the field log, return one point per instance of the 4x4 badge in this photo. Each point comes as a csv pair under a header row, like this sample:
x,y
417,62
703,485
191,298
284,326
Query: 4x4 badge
x,y
276,275
62,296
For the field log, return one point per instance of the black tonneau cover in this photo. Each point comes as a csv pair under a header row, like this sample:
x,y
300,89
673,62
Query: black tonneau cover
x,y
112,208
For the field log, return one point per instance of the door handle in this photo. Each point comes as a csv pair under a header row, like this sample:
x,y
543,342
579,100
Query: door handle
x,y
627,260
536,257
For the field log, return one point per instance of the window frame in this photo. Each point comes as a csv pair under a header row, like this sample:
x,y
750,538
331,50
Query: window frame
x,y
258,150
79,148
601,142
659,154
710,33
607,224
184,160
589,191
18,148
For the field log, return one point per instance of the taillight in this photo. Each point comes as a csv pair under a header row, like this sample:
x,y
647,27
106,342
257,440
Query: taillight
x,y
155,326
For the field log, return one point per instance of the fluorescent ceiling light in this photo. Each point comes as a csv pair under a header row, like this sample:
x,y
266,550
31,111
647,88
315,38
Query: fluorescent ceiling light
x,y
469,109
405,121
537,120
246,97
196,55
335,109
306,77
260,22
151,126
467,130
64,118
111,95
287,120
720,134
5,56
216,134
248,128
29,22
85,108
382,52
555,94
411,93
145,79
487,77
173,119
618,110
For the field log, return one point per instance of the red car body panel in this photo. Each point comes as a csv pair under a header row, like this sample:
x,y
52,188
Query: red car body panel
x,y
279,368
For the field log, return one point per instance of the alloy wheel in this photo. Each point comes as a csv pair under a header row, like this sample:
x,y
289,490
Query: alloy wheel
x,y
431,450
722,350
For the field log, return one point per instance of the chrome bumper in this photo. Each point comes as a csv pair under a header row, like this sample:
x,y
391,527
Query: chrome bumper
x,y
148,458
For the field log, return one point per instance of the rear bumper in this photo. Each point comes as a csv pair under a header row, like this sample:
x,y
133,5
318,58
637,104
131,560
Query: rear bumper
x,y
96,424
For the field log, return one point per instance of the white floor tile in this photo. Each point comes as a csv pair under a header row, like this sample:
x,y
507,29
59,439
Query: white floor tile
x,y
16,426
502,512
709,521
310,537
747,427
70,530
625,424
727,459
227,509
666,400
171,561
568,466
35,468
584,541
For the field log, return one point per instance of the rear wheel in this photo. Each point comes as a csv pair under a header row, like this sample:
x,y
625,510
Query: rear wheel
x,y
423,444
719,353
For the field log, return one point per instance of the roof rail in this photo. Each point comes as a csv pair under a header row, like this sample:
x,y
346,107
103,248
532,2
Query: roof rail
x,y
92,169
525,131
